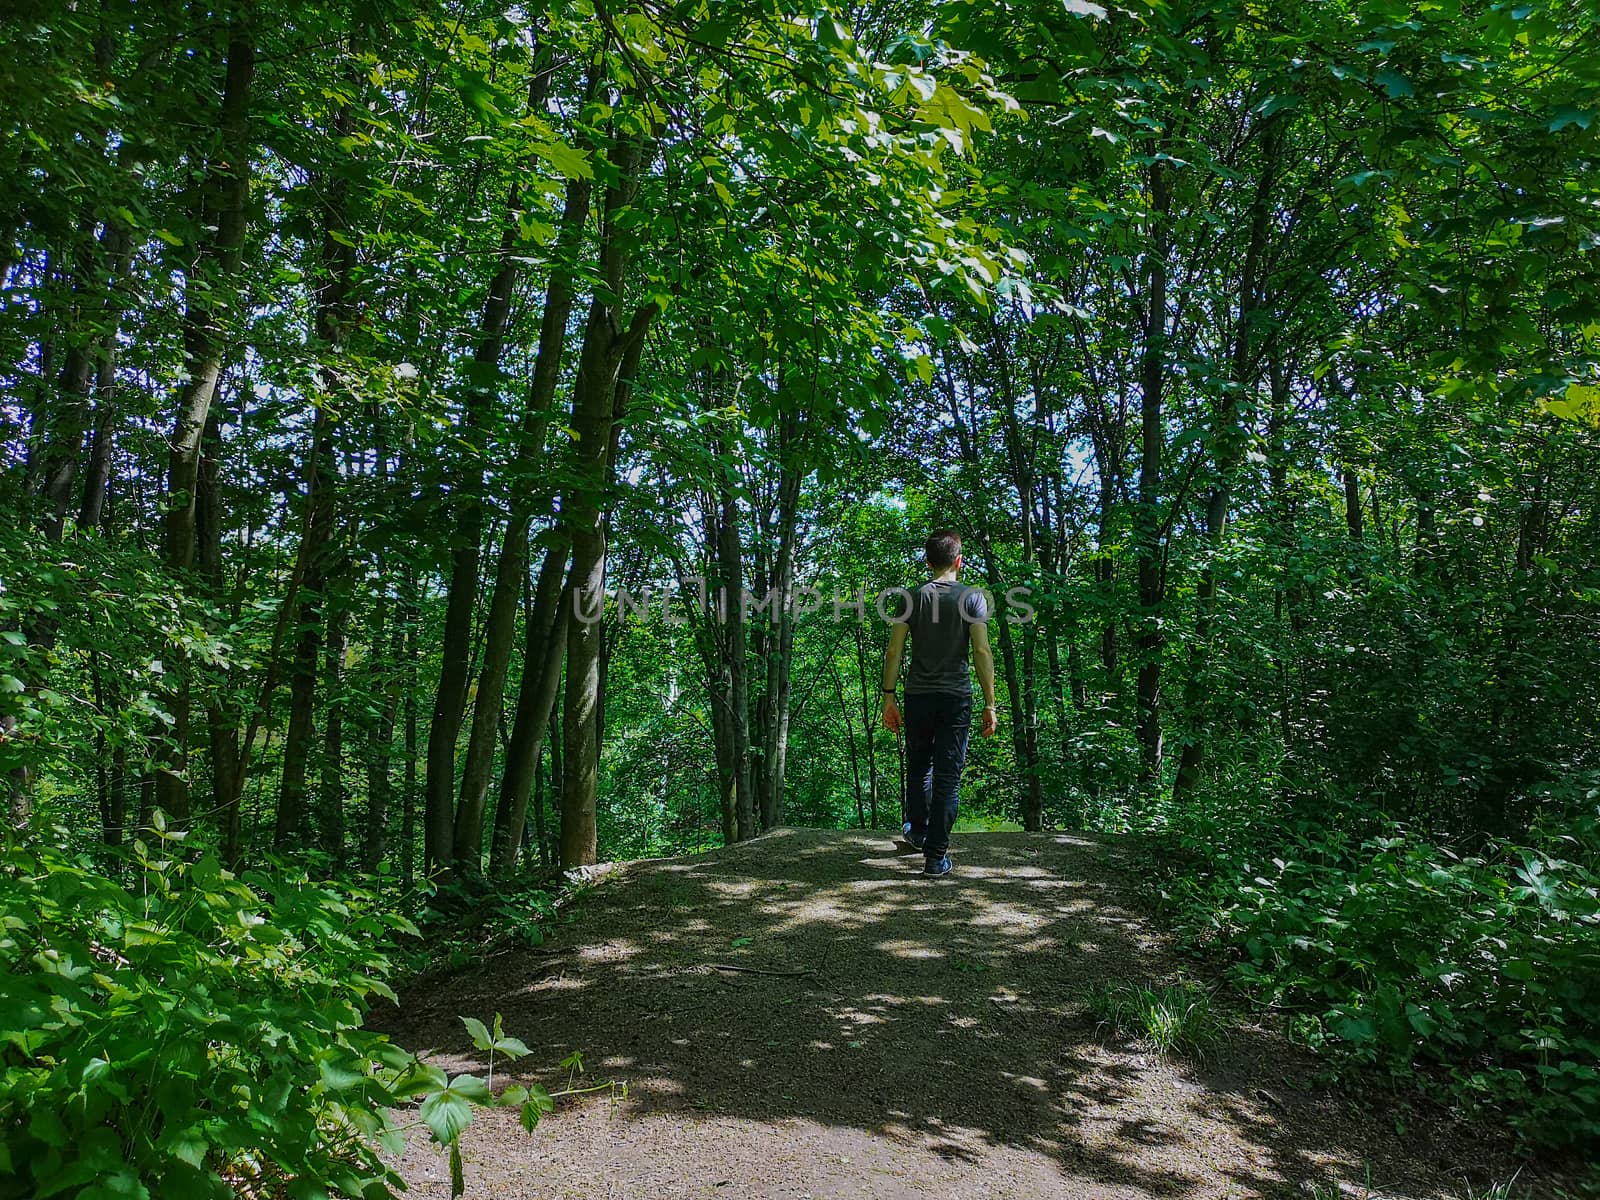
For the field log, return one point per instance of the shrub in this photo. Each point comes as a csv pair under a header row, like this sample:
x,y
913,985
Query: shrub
x,y
1395,951
198,1034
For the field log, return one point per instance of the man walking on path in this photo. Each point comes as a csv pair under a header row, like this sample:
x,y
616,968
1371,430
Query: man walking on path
x,y
943,617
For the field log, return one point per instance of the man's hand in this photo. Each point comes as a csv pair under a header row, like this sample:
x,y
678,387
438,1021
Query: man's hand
x,y
891,713
990,722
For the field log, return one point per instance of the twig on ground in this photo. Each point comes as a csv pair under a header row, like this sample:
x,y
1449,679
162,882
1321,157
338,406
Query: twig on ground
x,y
757,971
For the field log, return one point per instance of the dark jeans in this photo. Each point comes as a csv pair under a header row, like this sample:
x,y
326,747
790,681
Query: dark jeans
x,y
937,726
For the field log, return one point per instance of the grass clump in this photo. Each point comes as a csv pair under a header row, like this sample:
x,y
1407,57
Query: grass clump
x,y
1172,1019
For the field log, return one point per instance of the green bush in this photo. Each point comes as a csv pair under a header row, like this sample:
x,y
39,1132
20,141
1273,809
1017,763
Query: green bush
x,y
197,1034
1394,951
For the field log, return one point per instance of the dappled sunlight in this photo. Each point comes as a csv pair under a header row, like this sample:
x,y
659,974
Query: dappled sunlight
x,y
558,983
909,949
945,1021
613,951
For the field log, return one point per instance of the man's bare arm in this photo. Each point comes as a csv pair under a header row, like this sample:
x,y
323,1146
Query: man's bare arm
x,y
983,660
891,660
891,674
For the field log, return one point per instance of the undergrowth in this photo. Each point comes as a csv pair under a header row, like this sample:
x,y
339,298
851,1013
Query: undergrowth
x,y
1395,953
171,1029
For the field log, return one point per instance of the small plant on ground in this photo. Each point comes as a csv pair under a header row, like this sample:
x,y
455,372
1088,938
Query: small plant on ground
x,y
1174,1019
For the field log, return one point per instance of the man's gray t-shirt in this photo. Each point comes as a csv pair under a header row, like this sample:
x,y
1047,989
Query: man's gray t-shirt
x,y
941,617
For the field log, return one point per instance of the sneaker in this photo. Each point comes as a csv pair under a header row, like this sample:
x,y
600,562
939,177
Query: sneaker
x,y
937,866
908,838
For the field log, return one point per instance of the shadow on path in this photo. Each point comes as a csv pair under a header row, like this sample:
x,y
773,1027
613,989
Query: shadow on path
x,y
912,1037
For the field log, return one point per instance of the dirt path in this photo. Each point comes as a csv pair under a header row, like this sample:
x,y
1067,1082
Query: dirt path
x,y
938,1044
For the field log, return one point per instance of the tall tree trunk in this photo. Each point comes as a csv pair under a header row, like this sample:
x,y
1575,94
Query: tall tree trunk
x,y
1353,512
290,827
540,834
91,328
1151,564
511,572
728,606
1023,743
605,344
210,293
461,599
871,698
90,368
450,700
331,789
780,650
847,711
408,799
102,438
387,649
222,714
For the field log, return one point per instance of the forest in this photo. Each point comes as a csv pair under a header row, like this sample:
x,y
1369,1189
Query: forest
x,y
450,446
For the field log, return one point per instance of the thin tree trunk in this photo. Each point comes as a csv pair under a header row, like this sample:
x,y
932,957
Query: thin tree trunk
x,y
408,815
331,791
1022,742
870,698
846,711
729,607
545,636
290,827
97,471
540,834
222,716
387,650
558,772
1152,575
1352,502
780,650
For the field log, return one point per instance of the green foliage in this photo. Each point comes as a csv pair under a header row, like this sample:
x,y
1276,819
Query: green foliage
x,y
193,1033
1395,952
1170,1019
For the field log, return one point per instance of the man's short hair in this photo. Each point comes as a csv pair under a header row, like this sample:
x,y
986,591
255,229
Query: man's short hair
x,y
943,547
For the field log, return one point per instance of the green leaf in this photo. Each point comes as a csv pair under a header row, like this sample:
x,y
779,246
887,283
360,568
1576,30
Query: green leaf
x,y
472,1088
419,1079
535,1106
480,1035
568,160
512,1047
1395,84
446,1114
1570,114
189,1145
1421,1021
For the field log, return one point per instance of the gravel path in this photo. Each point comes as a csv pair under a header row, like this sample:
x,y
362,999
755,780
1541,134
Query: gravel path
x,y
913,1038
